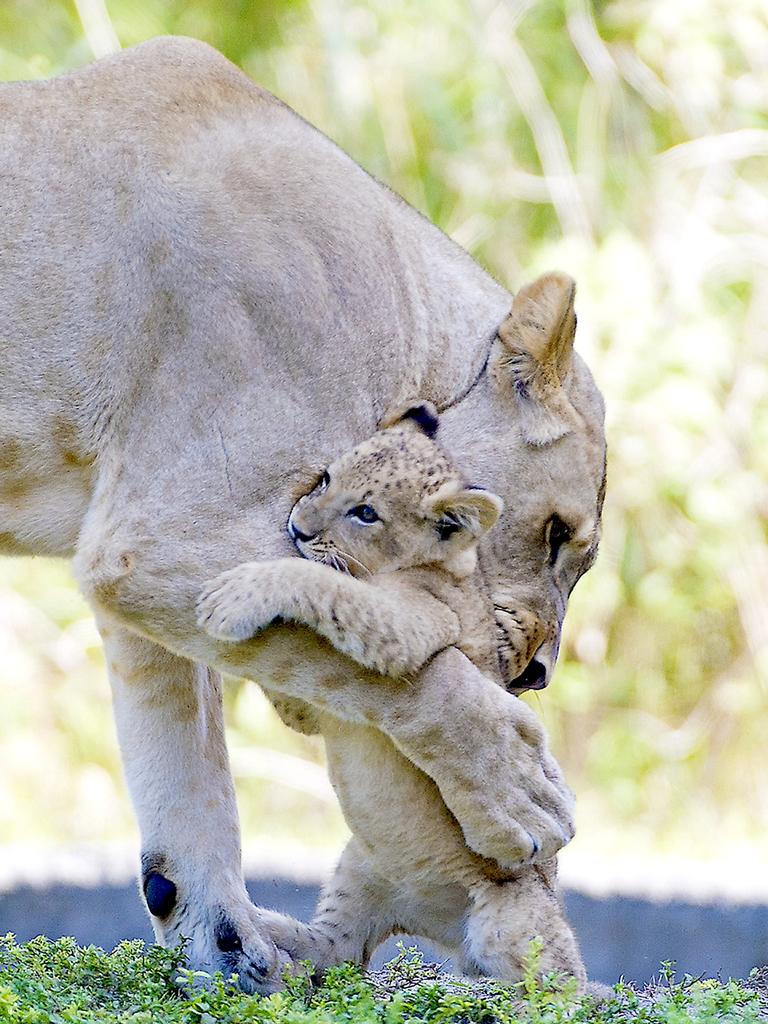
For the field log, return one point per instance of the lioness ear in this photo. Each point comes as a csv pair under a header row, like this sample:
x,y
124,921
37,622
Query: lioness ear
x,y
534,354
422,414
471,510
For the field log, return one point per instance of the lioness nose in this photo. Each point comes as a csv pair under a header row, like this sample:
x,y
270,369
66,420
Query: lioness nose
x,y
533,677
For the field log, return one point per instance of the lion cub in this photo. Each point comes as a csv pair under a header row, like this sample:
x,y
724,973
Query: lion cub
x,y
389,538
393,517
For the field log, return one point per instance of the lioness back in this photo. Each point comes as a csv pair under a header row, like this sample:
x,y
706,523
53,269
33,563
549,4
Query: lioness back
x,y
168,227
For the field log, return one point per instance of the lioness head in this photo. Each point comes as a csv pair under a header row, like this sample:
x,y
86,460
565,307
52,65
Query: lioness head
x,y
394,502
532,430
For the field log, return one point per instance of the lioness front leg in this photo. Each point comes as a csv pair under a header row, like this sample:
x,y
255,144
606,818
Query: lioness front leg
x,y
169,722
481,746
391,630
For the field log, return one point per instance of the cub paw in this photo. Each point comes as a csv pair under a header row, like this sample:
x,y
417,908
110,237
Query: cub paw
x,y
232,608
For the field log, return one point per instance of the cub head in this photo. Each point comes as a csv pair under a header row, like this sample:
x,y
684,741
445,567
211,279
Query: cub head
x,y
394,502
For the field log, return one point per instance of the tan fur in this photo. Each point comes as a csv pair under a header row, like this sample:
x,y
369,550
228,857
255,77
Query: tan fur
x,y
203,302
414,591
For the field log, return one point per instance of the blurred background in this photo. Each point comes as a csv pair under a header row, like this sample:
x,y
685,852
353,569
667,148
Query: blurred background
x,y
623,141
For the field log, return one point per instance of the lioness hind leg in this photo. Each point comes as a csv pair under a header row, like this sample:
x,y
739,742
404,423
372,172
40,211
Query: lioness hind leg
x,y
169,722
504,918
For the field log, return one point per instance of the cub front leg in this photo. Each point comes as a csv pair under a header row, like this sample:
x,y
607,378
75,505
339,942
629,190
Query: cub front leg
x,y
392,628
169,723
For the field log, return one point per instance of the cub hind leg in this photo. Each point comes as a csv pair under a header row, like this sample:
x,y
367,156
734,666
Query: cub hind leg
x,y
359,909
503,919
355,913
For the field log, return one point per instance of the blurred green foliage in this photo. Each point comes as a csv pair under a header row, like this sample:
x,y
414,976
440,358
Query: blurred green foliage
x,y
625,141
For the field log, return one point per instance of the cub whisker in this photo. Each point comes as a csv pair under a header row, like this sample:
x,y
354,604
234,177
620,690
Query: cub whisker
x,y
355,561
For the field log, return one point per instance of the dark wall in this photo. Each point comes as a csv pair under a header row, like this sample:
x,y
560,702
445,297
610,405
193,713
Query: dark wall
x,y
619,936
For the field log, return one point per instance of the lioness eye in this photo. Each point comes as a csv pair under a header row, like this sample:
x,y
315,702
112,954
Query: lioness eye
x,y
323,482
366,514
556,533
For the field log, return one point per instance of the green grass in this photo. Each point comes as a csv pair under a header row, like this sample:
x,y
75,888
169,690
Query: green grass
x,y
44,982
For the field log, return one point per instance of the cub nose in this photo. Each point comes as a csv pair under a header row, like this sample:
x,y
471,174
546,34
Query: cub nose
x,y
296,534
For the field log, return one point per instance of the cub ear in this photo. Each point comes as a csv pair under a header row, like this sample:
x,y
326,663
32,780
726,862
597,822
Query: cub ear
x,y
422,414
534,356
472,510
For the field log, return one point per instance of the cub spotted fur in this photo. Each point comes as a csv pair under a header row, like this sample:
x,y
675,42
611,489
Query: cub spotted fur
x,y
389,538
395,518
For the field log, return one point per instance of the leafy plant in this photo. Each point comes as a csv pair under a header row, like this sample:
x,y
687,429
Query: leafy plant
x,y
46,982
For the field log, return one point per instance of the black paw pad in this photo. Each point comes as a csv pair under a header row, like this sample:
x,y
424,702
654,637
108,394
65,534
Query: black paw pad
x,y
160,894
227,938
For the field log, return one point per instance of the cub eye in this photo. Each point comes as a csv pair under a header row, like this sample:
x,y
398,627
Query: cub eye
x,y
556,533
323,482
366,514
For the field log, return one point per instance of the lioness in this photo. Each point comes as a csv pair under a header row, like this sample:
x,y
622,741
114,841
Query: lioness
x,y
202,302
391,535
